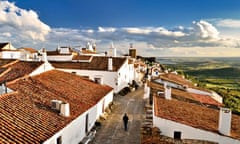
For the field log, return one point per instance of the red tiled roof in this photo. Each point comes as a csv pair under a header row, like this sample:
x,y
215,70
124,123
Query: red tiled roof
x,y
193,115
184,95
176,79
55,53
205,99
82,57
85,51
18,69
99,63
31,50
27,117
6,61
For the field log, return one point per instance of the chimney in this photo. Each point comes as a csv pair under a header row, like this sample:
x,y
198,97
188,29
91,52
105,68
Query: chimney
x,y
110,64
56,104
224,125
167,91
44,55
65,109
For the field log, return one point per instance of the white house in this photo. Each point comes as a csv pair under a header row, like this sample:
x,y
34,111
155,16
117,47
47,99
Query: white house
x,y
63,53
28,54
183,120
113,71
51,108
7,51
177,81
17,69
181,114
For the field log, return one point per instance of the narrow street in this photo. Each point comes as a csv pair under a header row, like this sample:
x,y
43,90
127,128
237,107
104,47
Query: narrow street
x,y
112,129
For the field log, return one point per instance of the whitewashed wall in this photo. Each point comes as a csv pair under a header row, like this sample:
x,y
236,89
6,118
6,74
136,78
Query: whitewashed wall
x,y
109,78
74,132
146,91
168,127
3,89
104,101
123,78
43,68
10,54
196,91
131,73
171,84
60,58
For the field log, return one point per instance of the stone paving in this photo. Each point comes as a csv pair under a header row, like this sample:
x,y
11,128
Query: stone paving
x,y
112,129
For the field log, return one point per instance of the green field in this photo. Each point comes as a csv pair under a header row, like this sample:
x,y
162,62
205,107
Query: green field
x,y
219,74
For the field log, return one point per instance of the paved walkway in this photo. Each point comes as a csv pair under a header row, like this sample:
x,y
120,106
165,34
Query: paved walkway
x,y
112,129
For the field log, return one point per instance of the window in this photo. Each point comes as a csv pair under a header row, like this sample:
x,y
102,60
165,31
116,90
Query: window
x,y
74,72
86,124
98,80
59,140
177,135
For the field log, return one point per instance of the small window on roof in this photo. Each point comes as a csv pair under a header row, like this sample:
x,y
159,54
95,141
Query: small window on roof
x,y
177,135
98,80
73,72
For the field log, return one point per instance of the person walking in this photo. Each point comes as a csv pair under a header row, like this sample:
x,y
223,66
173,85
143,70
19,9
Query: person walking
x,y
125,121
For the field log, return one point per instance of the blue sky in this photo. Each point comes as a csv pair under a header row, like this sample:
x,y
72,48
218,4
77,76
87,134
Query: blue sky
x,y
155,27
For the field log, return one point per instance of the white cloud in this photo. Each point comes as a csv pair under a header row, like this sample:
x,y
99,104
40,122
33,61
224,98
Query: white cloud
x,y
205,30
104,29
205,37
21,23
230,23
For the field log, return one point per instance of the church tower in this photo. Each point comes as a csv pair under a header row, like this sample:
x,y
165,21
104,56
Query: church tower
x,y
132,51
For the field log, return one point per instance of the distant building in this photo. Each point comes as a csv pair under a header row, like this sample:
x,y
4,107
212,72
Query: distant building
x,y
113,71
177,81
60,54
7,51
132,52
28,54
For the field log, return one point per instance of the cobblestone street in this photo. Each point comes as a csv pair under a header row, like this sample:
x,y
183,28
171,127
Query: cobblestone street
x,y
112,129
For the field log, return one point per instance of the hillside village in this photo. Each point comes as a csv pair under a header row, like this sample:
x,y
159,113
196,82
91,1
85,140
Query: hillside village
x,y
58,97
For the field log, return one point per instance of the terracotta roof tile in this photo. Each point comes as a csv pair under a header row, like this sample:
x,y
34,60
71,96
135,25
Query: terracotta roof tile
x,y
205,99
18,69
97,63
55,53
31,50
85,51
176,79
6,61
26,115
193,115
187,96
82,57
